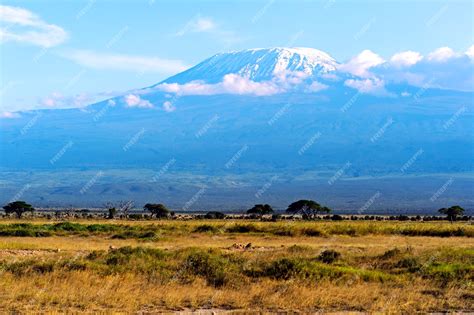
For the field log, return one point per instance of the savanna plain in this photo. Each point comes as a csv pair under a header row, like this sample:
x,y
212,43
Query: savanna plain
x,y
242,265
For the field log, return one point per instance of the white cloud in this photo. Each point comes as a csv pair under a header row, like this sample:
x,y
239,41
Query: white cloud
x,y
231,84
288,77
204,24
197,24
9,115
21,25
191,88
53,100
132,100
125,62
57,100
441,54
360,64
235,84
316,86
241,85
470,52
406,58
369,86
443,69
168,107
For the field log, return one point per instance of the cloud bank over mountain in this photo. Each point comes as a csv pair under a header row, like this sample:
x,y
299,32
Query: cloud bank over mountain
x,y
366,72
443,68
272,71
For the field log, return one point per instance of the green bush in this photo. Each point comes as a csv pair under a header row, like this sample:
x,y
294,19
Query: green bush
x,y
18,232
448,272
410,263
311,232
297,249
135,216
214,215
142,260
206,228
102,228
284,231
284,268
24,267
329,256
442,232
216,269
22,226
243,228
68,226
125,254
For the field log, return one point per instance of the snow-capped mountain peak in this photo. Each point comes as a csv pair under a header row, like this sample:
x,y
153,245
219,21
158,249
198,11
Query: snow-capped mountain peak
x,y
258,64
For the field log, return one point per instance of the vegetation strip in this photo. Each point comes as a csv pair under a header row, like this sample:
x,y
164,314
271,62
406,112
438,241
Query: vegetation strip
x,y
165,228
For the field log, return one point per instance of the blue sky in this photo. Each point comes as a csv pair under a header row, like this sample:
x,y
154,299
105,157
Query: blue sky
x,y
85,50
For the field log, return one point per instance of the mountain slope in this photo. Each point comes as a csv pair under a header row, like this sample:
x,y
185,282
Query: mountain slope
x,y
336,145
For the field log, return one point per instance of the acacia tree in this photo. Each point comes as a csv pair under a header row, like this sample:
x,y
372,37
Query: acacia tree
x,y
308,208
111,209
260,209
159,210
18,207
125,207
452,212
121,206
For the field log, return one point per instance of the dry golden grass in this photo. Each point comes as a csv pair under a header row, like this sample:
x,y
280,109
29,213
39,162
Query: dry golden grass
x,y
95,290
81,291
368,244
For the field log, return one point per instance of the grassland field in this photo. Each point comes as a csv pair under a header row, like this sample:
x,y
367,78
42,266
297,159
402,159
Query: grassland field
x,y
111,266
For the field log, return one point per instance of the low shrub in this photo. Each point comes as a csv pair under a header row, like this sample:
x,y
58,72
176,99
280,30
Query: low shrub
x,y
206,228
312,232
214,215
435,232
410,263
142,260
68,226
102,227
129,252
275,217
390,253
287,268
446,273
299,249
284,268
18,232
216,269
243,228
135,216
284,231
24,267
329,256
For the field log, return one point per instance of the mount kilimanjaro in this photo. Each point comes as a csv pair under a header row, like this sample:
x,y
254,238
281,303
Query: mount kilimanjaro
x,y
253,126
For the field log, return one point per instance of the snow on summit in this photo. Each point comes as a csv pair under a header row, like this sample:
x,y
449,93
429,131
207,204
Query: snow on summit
x,y
258,65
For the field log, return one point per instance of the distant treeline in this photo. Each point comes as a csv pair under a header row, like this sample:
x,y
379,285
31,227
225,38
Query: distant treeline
x,y
301,209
